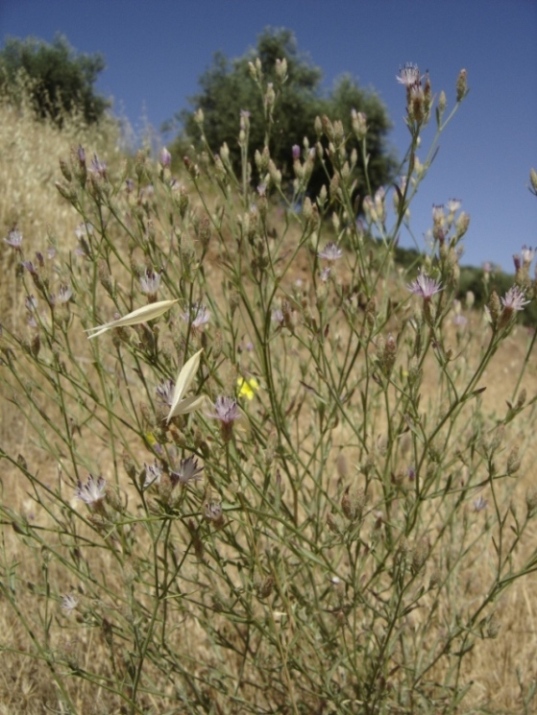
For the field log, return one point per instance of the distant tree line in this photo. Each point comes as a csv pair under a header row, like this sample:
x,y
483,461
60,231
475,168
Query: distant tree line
x,y
58,79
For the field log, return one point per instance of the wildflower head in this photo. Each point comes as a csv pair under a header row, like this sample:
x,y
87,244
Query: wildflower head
x,y
185,471
226,410
149,284
409,75
513,302
153,474
165,392
93,492
14,239
69,603
247,387
198,316
98,167
165,158
425,286
331,252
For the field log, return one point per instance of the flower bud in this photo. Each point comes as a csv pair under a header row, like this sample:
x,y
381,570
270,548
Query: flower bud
x,y
462,85
359,124
281,69
533,180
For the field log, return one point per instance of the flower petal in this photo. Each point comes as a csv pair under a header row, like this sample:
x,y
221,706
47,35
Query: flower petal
x,y
140,315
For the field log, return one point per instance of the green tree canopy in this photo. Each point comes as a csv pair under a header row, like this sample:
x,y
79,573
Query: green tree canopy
x,y
60,80
227,87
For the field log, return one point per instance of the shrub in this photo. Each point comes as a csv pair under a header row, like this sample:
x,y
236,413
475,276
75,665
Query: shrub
x,y
263,481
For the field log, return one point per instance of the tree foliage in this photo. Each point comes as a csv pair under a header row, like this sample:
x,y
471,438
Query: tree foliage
x,y
227,87
60,80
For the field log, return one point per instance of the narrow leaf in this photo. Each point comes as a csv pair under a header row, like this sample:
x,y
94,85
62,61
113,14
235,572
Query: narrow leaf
x,y
185,377
140,315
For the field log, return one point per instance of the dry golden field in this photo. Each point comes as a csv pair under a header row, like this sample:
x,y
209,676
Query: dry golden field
x,y
503,669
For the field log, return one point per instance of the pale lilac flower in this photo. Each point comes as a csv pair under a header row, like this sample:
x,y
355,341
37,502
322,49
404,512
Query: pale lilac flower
x,y
197,316
212,511
409,75
425,286
165,158
324,275
153,474
459,320
487,267
226,410
480,503
64,296
277,316
150,282
93,492
262,190
331,252
165,392
84,230
453,205
69,603
98,167
14,239
185,471
514,300
296,152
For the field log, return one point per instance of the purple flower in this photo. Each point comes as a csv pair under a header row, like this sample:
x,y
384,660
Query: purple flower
x,y
197,316
331,252
153,473
165,158
277,316
98,167
425,286
186,471
64,296
226,410
514,300
480,503
409,75
296,152
14,239
454,205
165,392
93,492
150,282
69,603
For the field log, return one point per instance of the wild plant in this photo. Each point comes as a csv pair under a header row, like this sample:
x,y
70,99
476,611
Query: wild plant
x,y
261,473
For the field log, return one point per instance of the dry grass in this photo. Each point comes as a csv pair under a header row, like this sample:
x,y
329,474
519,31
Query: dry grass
x,y
498,668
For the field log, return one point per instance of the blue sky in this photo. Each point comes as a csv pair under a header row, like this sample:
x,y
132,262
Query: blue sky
x,y
156,51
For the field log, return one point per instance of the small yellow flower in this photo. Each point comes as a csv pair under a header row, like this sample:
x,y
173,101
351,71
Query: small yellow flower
x,y
247,387
150,439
